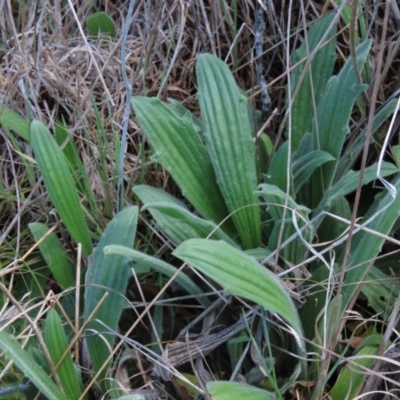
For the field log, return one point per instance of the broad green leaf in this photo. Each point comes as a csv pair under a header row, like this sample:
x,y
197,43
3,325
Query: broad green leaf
x,y
59,184
29,367
179,149
352,378
333,115
108,274
240,275
396,155
160,266
54,254
229,136
174,219
57,344
100,23
9,119
220,390
78,171
186,225
315,79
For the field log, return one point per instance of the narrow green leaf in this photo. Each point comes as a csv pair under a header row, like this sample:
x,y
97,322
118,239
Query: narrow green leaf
x,y
277,172
351,154
333,116
220,390
349,182
352,378
59,184
240,275
160,266
108,274
305,166
9,119
54,254
229,137
179,149
365,246
315,78
30,368
57,344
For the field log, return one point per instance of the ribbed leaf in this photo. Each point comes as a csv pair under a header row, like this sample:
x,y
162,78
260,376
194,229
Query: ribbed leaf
x,y
29,367
333,116
174,219
179,149
57,344
109,274
352,378
240,275
229,136
159,266
54,254
320,71
365,246
220,390
349,182
59,184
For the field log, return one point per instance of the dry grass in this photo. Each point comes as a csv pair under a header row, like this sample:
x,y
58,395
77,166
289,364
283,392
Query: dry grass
x,y
50,72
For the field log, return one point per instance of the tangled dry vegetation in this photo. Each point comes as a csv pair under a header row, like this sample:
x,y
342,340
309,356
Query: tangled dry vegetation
x,y
51,70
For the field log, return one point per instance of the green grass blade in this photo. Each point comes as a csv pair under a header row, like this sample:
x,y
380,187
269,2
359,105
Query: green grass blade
x,y
109,274
320,71
59,184
29,367
240,275
229,137
179,149
57,344
159,266
54,254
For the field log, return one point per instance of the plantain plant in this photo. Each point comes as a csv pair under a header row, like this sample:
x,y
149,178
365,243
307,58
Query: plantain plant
x,y
231,218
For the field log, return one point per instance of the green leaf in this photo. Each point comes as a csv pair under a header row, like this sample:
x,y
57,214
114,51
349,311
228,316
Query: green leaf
x,y
220,390
315,79
333,115
108,274
179,149
240,275
365,246
352,378
351,154
160,266
229,137
100,23
54,254
57,344
9,119
349,182
305,166
59,184
29,367
277,172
